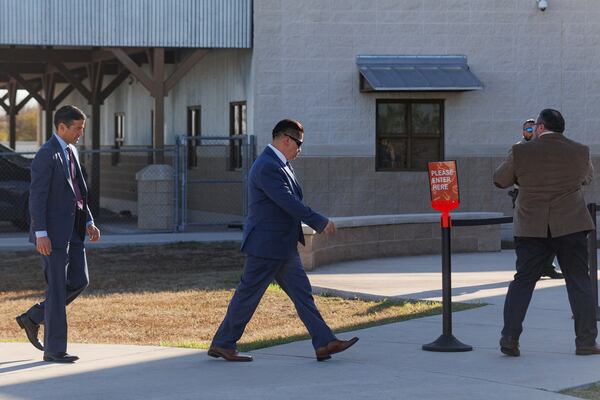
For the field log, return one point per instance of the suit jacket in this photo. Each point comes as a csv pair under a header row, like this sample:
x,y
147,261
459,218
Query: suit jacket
x,y
275,210
52,202
550,172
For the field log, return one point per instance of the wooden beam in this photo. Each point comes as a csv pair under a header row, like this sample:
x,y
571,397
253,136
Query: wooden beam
x,y
3,104
158,72
45,55
12,113
48,86
62,95
31,89
74,81
139,73
114,84
95,75
23,102
184,68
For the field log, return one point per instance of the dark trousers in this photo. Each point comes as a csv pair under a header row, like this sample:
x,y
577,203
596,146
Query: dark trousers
x,y
532,256
257,275
66,273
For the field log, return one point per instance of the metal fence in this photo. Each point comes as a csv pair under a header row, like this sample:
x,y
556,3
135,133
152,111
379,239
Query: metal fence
x,y
15,175
201,182
212,179
119,207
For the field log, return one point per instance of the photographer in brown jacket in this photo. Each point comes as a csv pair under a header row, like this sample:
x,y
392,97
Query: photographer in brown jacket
x,y
550,219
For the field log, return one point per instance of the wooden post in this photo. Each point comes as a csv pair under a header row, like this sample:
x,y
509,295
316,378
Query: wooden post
x,y
158,72
12,113
158,86
48,87
95,77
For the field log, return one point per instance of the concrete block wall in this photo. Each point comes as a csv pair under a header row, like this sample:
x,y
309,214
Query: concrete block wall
x,y
376,241
304,66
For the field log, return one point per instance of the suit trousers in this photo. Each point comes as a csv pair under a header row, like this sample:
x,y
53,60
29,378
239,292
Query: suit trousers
x,y
257,275
66,274
532,256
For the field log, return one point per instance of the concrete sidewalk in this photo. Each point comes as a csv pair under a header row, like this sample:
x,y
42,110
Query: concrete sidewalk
x,y
387,362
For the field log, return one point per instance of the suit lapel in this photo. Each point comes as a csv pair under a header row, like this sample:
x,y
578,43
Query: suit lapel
x,y
64,162
293,182
290,178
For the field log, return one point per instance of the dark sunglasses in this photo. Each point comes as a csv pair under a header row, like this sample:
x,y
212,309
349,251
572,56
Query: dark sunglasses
x,y
297,141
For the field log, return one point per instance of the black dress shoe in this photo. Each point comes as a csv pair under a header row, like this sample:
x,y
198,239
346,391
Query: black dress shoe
x,y
510,346
60,358
553,274
31,329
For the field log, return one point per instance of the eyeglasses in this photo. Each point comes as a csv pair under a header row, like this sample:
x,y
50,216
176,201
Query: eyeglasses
x,y
297,141
528,129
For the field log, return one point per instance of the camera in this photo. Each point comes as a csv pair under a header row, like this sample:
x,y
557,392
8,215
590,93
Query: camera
x,y
542,5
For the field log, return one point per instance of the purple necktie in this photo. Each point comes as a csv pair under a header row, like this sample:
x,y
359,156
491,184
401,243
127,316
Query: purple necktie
x,y
74,178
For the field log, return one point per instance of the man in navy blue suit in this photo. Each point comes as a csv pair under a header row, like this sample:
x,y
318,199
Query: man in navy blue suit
x,y
60,218
272,231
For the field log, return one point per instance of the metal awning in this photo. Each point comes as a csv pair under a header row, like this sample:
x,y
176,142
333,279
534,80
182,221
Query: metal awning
x,y
416,74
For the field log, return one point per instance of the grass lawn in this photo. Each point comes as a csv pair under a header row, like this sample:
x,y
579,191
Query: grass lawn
x,y
590,392
176,295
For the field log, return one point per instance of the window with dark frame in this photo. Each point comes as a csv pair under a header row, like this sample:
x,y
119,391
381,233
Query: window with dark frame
x,y
409,134
237,127
193,129
119,136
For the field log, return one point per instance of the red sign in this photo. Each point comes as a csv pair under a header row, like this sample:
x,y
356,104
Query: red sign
x,y
443,183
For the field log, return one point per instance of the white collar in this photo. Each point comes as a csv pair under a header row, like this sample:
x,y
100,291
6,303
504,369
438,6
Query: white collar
x,y
545,133
279,154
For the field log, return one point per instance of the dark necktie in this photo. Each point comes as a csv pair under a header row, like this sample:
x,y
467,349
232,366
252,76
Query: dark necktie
x,y
74,180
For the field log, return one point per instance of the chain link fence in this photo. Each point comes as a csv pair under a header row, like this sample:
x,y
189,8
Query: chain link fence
x,y
200,182
130,188
15,175
212,180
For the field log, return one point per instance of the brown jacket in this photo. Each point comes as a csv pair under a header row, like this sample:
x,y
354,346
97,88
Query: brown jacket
x,y
550,172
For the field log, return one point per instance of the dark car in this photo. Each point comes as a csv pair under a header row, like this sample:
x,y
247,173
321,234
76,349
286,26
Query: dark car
x,y
15,176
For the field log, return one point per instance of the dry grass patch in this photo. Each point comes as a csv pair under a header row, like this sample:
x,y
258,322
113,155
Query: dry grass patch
x,y
177,295
589,392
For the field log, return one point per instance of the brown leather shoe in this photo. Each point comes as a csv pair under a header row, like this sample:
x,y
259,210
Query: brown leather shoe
x,y
227,354
335,346
510,346
588,351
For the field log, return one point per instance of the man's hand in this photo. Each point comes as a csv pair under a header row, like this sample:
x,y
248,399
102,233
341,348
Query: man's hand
x,y
330,228
43,245
93,232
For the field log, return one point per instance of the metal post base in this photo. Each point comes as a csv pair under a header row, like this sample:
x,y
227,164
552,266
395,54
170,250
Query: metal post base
x,y
447,343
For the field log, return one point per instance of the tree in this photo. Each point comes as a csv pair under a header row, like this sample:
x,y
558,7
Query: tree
x,y
27,124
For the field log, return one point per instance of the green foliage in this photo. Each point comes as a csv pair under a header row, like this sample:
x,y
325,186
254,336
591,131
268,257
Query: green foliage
x,y
27,123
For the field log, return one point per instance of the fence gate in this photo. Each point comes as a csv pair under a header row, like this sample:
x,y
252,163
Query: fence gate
x,y
212,175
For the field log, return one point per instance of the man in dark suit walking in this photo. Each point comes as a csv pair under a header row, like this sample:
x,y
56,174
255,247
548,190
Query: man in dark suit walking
x,y
60,218
550,219
272,231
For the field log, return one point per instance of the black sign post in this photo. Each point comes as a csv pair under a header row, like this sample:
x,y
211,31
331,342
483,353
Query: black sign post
x,y
443,183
